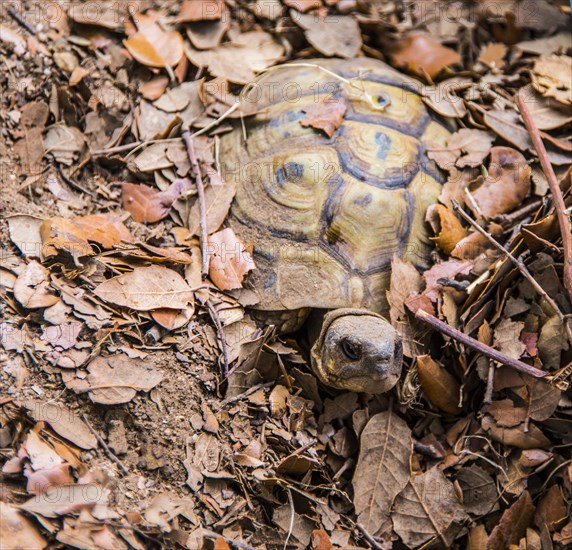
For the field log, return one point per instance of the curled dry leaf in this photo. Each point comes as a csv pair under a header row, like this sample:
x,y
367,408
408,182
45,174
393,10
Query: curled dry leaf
x,y
148,205
426,509
327,115
172,319
422,54
506,185
154,47
147,288
441,387
517,436
229,260
32,287
337,35
383,468
446,226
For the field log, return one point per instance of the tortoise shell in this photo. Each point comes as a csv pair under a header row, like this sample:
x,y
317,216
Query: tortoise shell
x,y
326,216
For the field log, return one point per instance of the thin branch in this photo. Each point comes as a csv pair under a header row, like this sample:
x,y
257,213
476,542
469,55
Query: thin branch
x,y
558,199
105,447
518,264
220,330
21,21
487,351
188,138
368,537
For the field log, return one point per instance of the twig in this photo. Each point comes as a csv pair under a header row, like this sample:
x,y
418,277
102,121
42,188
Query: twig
x,y
116,149
105,447
558,199
188,138
487,351
244,394
519,264
223,344
372,542
72,183
18,18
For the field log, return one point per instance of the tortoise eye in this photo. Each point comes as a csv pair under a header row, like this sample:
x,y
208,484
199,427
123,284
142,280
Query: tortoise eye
x,y
350,350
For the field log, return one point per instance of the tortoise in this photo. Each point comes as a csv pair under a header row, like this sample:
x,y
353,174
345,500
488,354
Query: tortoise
x,y
326,215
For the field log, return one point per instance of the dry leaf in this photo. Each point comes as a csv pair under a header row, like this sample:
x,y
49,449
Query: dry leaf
x,y
153,89
422,54
147,288
147,205
441,387
547,113
229,260
25,234
426,509
64,422
551,510
493,54
336,35
551,77
479,490
32,287
443,98
446,226
17,531
65,143
10,36
506,185
119,378
516,437
218,199
240,60
512,525
201,10
327,115
382,470
154,47
466,147
507,338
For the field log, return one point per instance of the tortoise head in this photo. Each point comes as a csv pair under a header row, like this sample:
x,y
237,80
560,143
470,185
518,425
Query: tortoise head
x,y
357,350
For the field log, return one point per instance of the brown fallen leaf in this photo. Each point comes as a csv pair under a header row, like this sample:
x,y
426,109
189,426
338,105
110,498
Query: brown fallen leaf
x,y
443,98
479,490
17,531
493,54
147,288
153,89
66,143
506,414
547,113
466,147
336,35
148,205
441,387
172,319
512,525
327,115
63,421
154,47
116,379
517,436
447,227
32,287
218,199
506,185
421,53
10,36
229,260
320,540
205,10
428,508
382,470
551,77
239,60
73,235
507,338
551,510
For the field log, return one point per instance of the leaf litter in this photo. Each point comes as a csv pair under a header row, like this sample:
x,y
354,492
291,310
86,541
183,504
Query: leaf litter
x,y
119,429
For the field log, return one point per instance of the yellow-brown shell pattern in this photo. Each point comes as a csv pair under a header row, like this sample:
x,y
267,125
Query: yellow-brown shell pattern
x,y
326,215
